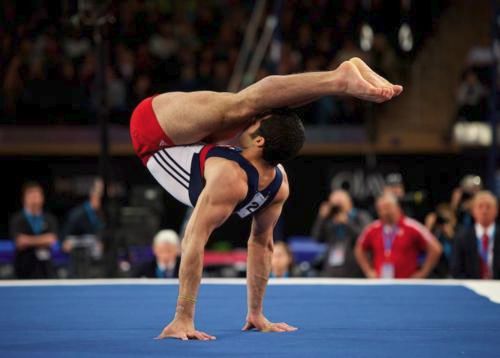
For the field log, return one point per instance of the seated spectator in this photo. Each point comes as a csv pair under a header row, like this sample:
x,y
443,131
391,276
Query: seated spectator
x,y
474,254
338,225
471,97
34,232
166,263
282,261
81,233
442,223
395,242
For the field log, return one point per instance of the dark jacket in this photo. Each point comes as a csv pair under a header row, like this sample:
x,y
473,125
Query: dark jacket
x,y
466,262
149,270
83,220
340,237
27,262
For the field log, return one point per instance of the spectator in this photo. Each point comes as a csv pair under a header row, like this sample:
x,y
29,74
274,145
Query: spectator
x,y
471,97
81,234
141,89
395,241
282,261
474,254
338,225
33,232
167,260
442,223
461,199
116,91
76,45
163,43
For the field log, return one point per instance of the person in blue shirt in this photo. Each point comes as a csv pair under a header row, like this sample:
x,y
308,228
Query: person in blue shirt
x,y
82,231
33,231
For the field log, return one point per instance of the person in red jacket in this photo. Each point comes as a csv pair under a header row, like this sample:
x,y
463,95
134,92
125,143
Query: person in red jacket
x,y
395,242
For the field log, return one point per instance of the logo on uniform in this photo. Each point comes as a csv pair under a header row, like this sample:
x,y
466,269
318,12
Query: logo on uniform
x,y
163,143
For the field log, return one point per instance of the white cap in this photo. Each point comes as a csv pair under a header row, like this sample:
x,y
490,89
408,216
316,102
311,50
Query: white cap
x,y
166,236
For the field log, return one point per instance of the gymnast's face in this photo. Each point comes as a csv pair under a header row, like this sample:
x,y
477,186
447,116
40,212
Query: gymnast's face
x,y
249,139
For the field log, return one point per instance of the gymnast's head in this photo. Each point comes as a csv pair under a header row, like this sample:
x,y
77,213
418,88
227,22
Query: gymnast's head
x,y
277,136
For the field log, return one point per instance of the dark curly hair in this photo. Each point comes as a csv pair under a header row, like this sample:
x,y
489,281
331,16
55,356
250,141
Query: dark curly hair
x,y
284,135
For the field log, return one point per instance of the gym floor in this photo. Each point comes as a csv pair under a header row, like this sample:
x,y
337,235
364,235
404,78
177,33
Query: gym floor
x,y
336,318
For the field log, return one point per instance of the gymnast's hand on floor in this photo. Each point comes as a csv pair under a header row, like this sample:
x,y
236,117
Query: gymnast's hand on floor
x,y
184,330
261,323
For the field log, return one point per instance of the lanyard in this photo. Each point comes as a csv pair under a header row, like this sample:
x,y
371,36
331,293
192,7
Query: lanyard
x,y
36,222
389,235
482,252
91,214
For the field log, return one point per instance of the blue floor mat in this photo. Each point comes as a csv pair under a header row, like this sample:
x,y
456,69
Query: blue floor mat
x,y
333,321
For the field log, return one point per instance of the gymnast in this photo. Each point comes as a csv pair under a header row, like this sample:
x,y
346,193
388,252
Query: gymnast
x,y
175,136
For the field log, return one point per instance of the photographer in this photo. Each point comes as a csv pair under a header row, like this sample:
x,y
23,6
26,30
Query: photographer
x,y
442,223
338,225
461,199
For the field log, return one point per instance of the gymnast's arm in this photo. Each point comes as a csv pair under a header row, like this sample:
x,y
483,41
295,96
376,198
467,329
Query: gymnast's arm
x,y
225,188
260,250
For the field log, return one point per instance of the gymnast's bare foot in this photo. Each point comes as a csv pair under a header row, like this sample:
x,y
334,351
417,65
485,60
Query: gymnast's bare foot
x,y
363,83
374,78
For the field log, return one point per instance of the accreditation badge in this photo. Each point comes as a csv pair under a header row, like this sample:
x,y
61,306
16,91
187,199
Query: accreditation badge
x,y
336,256
387,270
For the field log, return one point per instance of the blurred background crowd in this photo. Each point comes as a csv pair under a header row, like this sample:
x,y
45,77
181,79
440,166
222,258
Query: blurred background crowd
x,y
456,240
368,174
48,60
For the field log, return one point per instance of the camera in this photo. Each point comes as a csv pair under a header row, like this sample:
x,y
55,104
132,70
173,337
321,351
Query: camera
x,y
335,210
441,220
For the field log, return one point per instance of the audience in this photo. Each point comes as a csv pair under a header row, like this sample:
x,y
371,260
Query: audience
x,y
34,232
282,261
49,64
395,242
475,255
166,249
338,224
81,233
394,246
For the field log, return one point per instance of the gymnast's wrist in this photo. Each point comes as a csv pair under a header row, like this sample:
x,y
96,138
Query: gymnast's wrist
x,y
184,311
184,316
252,314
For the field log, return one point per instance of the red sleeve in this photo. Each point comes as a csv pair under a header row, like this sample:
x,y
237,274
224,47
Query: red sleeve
x,y
366,238
422,235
